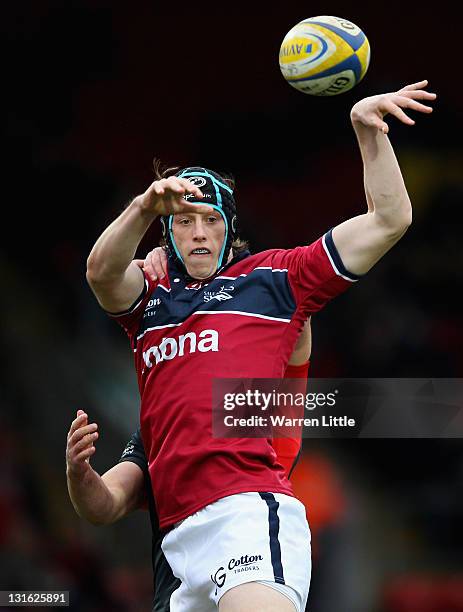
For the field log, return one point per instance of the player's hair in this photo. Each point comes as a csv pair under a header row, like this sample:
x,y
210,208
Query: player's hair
x,y
162,171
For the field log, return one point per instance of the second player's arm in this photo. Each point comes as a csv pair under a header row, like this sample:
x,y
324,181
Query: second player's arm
x,y
101,500
363,240
105,499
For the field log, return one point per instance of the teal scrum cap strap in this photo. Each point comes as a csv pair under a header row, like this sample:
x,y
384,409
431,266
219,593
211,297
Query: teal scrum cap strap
x,y
219,196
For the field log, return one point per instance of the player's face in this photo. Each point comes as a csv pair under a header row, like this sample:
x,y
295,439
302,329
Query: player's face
x,y
199,238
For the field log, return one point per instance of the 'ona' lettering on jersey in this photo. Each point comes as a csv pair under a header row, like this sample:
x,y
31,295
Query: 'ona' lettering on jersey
x,y
173,347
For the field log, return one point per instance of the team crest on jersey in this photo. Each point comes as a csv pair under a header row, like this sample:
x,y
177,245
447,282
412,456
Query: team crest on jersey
x,y
221,295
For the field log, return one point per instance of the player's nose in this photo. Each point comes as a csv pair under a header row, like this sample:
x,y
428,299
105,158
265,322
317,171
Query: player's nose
x,y
199,230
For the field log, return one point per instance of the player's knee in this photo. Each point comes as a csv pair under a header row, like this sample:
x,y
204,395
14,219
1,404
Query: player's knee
x,y
255,597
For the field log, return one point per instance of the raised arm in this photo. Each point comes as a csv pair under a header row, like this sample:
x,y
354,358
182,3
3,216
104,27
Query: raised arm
x,y
101,500
363,240
114,277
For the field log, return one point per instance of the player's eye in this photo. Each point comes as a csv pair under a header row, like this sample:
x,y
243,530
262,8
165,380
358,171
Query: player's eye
x,y
184,221
212,219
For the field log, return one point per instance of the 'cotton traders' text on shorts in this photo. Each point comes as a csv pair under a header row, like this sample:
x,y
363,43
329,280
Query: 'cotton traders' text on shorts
x,y
248,537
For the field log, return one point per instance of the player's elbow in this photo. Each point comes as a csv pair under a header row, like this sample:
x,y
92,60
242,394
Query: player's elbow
x,y
93,267
94,518
403,222
95,270
99,517
405,215
395,225
99,276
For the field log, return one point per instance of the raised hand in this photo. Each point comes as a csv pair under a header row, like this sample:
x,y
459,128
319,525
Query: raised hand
x,y
371,111
80,445
167,197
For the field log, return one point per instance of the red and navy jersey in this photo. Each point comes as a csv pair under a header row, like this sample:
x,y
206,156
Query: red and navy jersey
x,y
242,323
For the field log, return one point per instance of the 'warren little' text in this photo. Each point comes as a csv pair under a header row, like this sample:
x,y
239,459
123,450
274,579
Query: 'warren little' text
x,y
282,421
325,421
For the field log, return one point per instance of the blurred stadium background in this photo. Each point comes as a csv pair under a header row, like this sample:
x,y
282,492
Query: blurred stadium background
x,y
93,89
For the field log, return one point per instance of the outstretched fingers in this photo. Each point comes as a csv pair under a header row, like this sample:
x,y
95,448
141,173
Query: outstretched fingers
x,y
190,207
392,107
175,186
181,186
372,110
406,102
412,86
417,94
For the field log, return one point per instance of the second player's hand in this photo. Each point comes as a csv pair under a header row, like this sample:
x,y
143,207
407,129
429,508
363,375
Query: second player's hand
x,y
154,264
80,445
167,197
371,111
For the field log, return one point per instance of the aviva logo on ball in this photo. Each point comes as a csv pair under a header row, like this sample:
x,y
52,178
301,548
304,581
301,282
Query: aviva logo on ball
x,y
324,56
305,50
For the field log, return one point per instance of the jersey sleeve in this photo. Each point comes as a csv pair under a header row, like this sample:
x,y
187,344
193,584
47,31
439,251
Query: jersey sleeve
x,y
129,319
316,273
288,449
134,451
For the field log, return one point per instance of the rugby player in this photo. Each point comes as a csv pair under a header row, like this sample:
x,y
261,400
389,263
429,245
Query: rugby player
x,y
235,535
126,486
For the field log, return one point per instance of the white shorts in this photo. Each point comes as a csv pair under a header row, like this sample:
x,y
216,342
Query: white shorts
x,y
248,537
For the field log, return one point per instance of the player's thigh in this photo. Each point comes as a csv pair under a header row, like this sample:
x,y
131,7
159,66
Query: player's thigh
x,y
254,597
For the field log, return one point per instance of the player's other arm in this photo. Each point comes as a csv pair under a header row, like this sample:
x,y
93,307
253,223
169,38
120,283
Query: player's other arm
x,y
303,347
114,277
288,449
101,500
363,240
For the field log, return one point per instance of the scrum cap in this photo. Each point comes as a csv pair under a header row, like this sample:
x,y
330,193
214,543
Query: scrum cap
x,y
219,196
